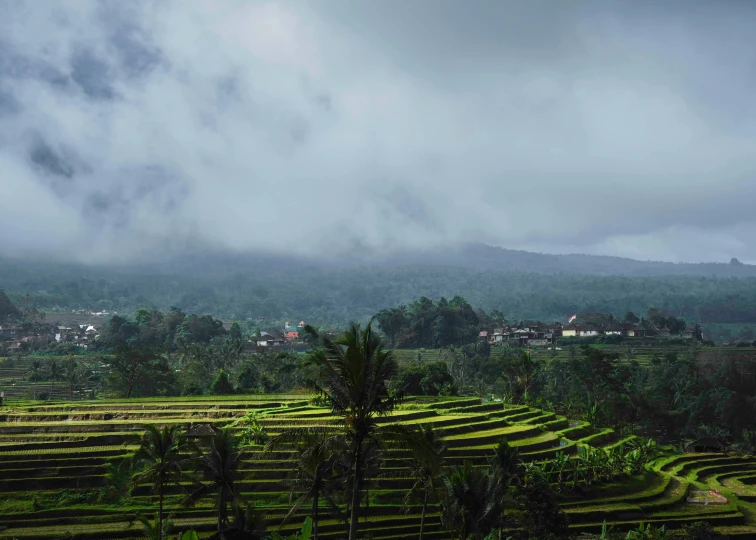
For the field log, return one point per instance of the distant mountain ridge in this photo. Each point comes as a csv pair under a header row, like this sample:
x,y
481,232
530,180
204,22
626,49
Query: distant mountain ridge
x,y
355,286
485,257
470,256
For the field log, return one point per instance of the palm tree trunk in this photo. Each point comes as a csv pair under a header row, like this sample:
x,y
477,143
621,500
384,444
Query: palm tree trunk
x,y
221,509
160,514
422,514
356,481
315,515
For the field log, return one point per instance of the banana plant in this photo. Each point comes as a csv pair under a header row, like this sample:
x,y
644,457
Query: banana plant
x,y
152,527
252,430
302,534
605,532
648,532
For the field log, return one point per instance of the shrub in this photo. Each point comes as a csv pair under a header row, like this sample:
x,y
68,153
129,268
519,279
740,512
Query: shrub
x,y
540,515
428,379
701,530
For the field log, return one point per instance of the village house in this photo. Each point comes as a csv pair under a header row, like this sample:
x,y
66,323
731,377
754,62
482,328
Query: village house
x,y
570,331
10,332
688,333
635,331
498,337
580,330
291,332
267,339
524,335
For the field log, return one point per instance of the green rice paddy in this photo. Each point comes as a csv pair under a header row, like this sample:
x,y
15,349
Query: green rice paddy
x,y
54,459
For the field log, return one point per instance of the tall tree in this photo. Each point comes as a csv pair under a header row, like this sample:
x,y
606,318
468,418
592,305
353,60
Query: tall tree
x,y
132,365
472,501
524,370
316,471
506,464
162,460
354,371
219,467
54,371
71,375
426,468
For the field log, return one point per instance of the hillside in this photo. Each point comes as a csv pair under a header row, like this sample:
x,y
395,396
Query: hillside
x,y
520,284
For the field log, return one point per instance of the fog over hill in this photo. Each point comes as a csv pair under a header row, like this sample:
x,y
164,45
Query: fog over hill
x,y
341,288
471,256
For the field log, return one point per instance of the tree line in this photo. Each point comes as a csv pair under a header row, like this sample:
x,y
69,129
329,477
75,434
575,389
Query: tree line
x,y
428,324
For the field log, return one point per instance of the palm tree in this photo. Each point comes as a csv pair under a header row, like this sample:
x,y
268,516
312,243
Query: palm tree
x,y
72,376
163,458
317,467
219,467
525,370
35,371
248,523
506,465
54,371
426,467
229,353
184,350
354,370
472,501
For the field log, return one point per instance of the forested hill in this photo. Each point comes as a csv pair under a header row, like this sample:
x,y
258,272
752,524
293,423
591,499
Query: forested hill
x,y
484,257
333,292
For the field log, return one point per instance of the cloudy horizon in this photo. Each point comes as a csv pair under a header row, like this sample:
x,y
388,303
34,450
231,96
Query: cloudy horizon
x,y
132,130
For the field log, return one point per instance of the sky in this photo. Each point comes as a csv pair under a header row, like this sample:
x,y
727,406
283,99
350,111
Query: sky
x,y
138,130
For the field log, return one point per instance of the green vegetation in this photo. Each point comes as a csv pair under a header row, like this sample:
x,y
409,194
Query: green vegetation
x,y
521,285
383,447
48,490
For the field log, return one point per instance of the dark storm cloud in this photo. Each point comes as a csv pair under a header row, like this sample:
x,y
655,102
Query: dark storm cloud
x,y
91,74
8,103
49,162
606,127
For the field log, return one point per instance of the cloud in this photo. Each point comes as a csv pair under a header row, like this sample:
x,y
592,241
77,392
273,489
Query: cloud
x,y
135,130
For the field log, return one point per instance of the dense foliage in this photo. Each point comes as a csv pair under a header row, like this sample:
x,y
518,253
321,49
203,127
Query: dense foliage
x,y
337,294
428,324
676,396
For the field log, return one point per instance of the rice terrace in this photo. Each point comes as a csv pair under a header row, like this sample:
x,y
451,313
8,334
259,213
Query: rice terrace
x,y
59,459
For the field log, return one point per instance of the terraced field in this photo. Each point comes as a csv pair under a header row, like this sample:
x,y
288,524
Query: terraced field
x,y
54,461
660,496
15,384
